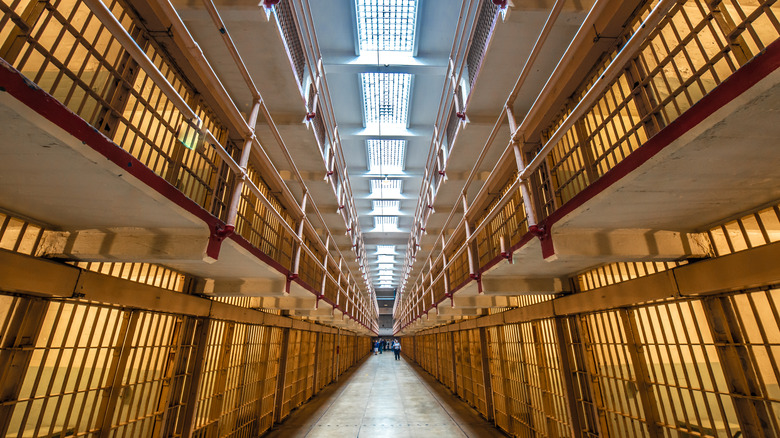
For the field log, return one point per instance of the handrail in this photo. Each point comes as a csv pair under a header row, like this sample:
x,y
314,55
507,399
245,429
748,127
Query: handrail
x,y
214,13
314,56
116,29
579,38
446,101
120,33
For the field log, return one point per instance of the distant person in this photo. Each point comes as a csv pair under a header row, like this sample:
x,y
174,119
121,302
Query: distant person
x,y
376,347
397,349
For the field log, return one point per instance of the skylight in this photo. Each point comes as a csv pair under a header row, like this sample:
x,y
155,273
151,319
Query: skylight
x,y
386,156
384,266
385,207
385,223
386,188
386,98
385,259
386,25
385,272
385,249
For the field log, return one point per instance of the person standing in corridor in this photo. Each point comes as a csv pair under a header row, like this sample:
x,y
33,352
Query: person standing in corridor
x,y
397,349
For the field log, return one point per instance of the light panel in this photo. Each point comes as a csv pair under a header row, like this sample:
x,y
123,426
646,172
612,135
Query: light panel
x,y
385,259
386,25
383,272
385,249
386,98
385,207
385,223
386,156
384,266
386,188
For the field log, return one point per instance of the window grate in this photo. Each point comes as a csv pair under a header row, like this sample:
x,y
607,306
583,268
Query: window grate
x,y
386,25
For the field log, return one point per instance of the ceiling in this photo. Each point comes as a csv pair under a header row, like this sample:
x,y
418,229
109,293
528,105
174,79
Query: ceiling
x,y
363,82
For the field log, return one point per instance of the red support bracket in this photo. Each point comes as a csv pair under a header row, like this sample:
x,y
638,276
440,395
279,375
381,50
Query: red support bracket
x,y
544,234
290,278
479,281
461,115
310,115
218,234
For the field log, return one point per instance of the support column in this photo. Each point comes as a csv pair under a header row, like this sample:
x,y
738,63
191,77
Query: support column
x,y
316,371
486,377
195,373
635,350
545,379
566,365
454,365
116,372
741,372
282,375
508,400
581,335
171,393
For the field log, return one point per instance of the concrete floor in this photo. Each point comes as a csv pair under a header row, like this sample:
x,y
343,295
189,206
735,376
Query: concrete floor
x,y
382,397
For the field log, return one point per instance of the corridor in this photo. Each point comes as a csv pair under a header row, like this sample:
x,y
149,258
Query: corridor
x,y
381,397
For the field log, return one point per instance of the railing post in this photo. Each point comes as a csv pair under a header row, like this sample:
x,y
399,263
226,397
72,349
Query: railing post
x,y
240,179
469,253
296,262
525,190
325,270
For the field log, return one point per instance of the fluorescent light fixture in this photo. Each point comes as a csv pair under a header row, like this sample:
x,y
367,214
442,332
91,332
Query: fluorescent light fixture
x,y
386,98
385,259
386,156
385,207
386,25
386,188
385,249
385,223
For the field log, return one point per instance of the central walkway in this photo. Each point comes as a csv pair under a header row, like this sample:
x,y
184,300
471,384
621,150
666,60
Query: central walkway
x,y
382,397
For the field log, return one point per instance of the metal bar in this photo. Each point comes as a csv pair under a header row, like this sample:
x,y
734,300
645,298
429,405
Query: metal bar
x,y
635,349
195,371
117,371
128,43
21,333
281,379
486,377
563,343
741,374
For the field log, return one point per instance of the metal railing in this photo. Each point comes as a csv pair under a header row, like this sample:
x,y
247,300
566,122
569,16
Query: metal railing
x,y
108,70
669,57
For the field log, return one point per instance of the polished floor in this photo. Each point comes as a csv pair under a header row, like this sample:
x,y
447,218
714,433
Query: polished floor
x,y
382,397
